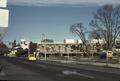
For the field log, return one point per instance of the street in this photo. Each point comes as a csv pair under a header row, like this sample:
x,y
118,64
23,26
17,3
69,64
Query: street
x,y
22,70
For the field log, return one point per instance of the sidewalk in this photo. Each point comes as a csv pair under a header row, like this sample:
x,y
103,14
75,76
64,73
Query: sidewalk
x,y
100,64
87,62
100,67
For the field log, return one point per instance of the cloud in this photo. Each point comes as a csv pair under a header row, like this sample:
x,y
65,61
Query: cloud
x,y
61,2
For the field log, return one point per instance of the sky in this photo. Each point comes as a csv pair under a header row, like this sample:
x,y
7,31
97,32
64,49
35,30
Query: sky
x,y
30,19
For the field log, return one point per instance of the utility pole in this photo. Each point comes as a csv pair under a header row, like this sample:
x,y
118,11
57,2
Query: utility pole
x,y
29,48
44,38
106,60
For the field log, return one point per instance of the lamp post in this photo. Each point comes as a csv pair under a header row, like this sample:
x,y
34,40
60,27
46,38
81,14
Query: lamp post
x,y
45,55
44,40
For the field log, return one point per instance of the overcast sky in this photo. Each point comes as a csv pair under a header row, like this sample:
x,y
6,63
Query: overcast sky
x,y
31,18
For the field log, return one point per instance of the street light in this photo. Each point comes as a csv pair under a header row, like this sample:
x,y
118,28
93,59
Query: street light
x,y
43,38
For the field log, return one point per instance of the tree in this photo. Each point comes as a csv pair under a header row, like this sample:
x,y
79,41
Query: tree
x,y
47,40
18,45
107,21
21,52
14,43
3,48
32,47
1,37
80,31
95,34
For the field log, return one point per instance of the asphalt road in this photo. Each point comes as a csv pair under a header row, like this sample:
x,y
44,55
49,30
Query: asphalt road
x,y
22,70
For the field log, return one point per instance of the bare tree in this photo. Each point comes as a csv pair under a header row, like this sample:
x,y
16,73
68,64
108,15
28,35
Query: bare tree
x,y
107,21
14,43
3,48
80,31
95,34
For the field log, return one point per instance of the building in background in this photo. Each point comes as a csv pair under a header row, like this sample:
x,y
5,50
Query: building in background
x,y
94,41
70,41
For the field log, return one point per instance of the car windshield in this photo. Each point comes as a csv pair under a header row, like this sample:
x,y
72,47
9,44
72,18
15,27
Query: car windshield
x,y
59,40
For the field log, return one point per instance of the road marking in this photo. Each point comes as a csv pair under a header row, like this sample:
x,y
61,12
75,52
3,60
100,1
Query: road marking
x,y
66,72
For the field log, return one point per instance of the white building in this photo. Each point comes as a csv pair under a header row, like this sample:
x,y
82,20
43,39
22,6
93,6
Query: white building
x,y
70,41
24,44
94,41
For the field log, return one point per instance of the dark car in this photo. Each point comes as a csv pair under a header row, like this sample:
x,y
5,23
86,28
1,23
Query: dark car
x,y
103,55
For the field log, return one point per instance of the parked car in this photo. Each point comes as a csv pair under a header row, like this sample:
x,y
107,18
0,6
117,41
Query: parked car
x,y
103,55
